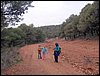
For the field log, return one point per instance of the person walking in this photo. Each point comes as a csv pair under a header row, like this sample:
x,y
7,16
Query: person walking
x,y
39,52
57,51
44,52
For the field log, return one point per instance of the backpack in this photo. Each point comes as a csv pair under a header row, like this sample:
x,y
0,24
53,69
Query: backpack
x,y
57,50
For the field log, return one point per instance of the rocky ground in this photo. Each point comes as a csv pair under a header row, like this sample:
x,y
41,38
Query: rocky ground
x,y
78,57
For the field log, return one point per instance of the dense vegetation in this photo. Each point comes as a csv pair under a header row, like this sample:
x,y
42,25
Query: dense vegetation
x,y
85,25
21,36
51,31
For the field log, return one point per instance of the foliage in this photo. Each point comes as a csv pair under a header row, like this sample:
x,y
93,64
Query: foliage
x,y
51,31
22,35
11,11
86,24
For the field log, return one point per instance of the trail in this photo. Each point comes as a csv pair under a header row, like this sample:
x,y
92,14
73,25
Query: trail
x,y
31,65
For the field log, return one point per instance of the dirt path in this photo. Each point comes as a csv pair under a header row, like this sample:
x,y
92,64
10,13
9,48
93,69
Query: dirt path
x,y
31,65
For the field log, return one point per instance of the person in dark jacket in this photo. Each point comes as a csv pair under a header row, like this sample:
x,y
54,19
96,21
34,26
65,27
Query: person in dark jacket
x,y
57,51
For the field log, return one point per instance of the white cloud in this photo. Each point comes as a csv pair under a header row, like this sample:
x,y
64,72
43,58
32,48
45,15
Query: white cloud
x,y
52,12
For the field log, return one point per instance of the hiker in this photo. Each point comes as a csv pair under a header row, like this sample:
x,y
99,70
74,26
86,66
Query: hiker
x,y
44,52
57,51
39,52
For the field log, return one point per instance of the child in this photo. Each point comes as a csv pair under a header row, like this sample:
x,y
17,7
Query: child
x,y
44,52
39,52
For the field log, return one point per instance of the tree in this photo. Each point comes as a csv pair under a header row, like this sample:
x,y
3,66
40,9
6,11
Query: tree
x,y
95,17
40,37
89,18
29,32
69,28
11,11
62,30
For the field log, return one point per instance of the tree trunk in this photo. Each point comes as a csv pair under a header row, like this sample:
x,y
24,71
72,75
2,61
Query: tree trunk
x,y
65,38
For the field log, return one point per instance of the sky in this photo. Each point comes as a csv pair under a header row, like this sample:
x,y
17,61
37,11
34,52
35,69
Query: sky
x,y
52,12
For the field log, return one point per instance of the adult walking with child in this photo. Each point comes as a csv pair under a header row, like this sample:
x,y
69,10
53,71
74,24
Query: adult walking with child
x,y
57,51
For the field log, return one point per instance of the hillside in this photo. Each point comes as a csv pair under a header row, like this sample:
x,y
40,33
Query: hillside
x,y
78,57
51,31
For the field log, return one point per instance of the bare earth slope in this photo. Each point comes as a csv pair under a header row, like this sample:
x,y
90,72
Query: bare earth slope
x,y
79,57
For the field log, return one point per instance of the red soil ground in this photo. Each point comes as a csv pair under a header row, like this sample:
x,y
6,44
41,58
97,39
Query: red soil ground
x,y
78,57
